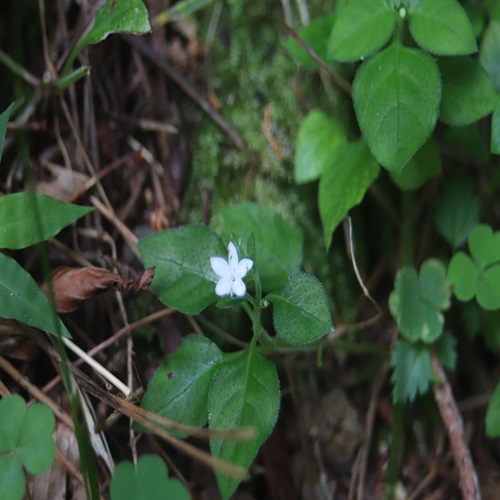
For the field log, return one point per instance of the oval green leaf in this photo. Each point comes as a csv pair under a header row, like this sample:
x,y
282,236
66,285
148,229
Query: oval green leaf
x,y
360,29
396,98
343,185
183,277
278,244
489,53
21,299
441,27
179,388
317,138
468,93
29,218
244,393
301,314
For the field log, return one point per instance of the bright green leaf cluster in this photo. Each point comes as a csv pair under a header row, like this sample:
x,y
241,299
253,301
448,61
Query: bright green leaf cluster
x,y
418,300
478,275
25,442
148,480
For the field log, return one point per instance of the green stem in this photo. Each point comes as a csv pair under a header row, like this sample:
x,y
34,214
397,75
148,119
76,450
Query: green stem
x,y
18,70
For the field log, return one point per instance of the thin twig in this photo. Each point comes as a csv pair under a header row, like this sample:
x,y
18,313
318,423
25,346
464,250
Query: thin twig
x,y
468,481
189,89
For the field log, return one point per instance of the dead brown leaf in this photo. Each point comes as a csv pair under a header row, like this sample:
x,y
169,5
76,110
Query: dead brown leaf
x,y
73,285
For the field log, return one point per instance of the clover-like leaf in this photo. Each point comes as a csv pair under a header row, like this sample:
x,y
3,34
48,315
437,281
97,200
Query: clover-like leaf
x,y
148,480
468,93
314,153
28,218
418,299
179,388
478,275
25,441
396,97
244,393
344,183
361,28
183,277
301,313
278,243
441,27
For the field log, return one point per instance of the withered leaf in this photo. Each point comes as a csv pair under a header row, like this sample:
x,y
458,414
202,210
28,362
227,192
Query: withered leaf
x,y
73,285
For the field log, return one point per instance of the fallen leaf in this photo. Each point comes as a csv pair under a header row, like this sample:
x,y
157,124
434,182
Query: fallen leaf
x,y
73,285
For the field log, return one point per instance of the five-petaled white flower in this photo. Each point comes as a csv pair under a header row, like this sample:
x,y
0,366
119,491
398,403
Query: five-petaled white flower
x,y
231,273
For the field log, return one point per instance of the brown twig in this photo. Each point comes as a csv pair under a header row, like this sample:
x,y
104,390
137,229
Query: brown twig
x,y
341,82
468,481
145,50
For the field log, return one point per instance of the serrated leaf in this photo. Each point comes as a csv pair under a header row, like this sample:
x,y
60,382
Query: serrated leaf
x,y
412,370
301,313
417,301
446,349
28,218
468,93
315,35
456,211
441,27
278,243
21,299
424,165
489,53
183,277
25,440
343,185
148,480
245,392
316,141
396,97
4,120
179,388
493,414
361,28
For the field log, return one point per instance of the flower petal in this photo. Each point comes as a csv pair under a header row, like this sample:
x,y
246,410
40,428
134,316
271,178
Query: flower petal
x,y
220,267
244,265
238,287
232,256
224,287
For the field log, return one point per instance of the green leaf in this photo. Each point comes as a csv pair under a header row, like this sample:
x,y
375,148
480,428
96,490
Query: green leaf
x,y
115,16
456,211
417,301
441,27
315,35
495,129
179,388
245,392
446,349
424,165
479,276
493,415
316,141
412,370
147,481
468,93
21,299
396,97
25,440
28,218
468,139
278,244
489,53
4,120
343,185
183,277
361,28
301,313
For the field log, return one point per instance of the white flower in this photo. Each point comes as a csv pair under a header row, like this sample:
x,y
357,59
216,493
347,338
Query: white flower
x,y
231,273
